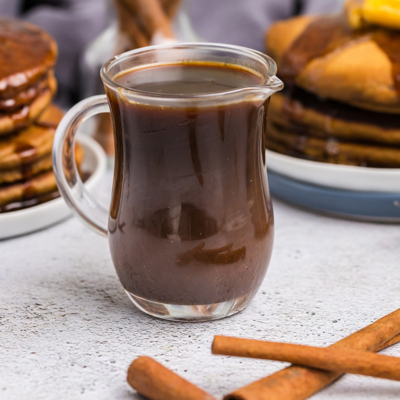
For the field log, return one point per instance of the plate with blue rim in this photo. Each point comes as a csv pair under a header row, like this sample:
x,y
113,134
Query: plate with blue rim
x,y
361,193
32,219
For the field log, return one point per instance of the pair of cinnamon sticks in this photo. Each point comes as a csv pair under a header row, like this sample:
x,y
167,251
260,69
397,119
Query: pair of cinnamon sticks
x,y
352,354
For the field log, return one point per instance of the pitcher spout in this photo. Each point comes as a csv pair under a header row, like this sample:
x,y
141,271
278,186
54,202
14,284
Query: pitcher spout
x,y
262,92
273,84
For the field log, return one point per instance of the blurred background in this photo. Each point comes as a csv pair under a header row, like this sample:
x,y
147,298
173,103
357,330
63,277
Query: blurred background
x,y
89,32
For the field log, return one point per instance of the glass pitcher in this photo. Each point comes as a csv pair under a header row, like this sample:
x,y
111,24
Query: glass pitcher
x,y
190,226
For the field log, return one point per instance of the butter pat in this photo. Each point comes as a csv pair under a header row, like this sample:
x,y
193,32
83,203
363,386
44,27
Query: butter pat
x,y
385,13
382,12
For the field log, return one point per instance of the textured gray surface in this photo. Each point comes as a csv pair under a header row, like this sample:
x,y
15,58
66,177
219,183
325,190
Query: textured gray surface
x,y
68,331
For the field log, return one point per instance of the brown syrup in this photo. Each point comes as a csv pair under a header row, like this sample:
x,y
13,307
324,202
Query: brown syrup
x,y
29,191
190,220
46,125
27,154
24,97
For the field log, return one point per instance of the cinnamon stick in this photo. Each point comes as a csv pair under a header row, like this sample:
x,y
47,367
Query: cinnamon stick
x,y
329,359
389,343
129,26
170,7
299,383
156,382
152,16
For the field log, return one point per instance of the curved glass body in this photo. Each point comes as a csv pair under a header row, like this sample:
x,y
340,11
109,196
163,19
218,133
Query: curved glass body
x,y
191,223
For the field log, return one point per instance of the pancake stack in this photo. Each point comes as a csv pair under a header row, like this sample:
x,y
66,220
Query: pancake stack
x,y
341,103
28,120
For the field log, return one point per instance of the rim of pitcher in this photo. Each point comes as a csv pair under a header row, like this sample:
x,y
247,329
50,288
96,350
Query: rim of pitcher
x,y
271,82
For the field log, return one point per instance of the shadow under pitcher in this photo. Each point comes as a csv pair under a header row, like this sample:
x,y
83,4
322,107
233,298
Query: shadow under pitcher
x,y
190,226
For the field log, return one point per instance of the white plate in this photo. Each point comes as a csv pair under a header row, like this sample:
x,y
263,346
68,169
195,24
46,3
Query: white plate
x,y
346,177
21,222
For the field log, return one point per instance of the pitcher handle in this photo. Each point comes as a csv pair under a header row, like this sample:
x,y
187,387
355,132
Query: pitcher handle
x,y
70,185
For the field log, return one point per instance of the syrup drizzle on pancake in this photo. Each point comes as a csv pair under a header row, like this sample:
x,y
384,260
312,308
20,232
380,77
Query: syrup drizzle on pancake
x,y
31,198
325,34
29,191
297,99
46,124
27,154
320,37
31,202
24,97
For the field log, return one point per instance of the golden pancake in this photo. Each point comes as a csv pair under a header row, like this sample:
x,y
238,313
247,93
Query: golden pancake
x,y
34,187
298,110
284,141
50,117
26,54
27,171
27,114
323,55
39,185
31,143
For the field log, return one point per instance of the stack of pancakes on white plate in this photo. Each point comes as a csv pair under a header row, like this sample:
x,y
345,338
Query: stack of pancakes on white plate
x,y
28,119
341,103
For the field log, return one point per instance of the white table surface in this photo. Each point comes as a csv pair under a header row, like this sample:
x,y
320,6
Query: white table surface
x,y
68,331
